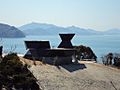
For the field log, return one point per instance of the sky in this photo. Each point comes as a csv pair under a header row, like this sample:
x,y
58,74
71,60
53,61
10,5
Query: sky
x,y
93,14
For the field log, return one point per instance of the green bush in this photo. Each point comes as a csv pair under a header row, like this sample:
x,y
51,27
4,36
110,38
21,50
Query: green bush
x,y
83,52
14,74
111,59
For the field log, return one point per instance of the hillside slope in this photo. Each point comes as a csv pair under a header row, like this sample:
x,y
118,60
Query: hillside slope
x,y
7,31
50,29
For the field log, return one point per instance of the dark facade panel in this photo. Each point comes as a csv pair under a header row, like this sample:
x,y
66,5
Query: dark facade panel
x,y
66,41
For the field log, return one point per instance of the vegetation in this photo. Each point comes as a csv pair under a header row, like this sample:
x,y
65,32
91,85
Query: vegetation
x,y
84,52
13,74
111,59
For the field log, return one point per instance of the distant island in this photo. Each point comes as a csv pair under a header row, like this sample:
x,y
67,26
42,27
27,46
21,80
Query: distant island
x,y
51,29
7,31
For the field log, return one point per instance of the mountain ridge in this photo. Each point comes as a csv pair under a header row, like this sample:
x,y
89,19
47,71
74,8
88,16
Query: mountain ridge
x,y
7,31
51,29
115,31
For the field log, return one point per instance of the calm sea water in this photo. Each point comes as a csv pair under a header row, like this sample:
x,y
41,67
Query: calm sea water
x,y
99,44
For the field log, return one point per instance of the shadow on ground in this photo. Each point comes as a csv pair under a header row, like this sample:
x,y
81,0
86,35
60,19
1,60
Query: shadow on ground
x,y
72,67
69,67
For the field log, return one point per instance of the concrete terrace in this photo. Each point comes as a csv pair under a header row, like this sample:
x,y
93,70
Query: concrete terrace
x,y
83,76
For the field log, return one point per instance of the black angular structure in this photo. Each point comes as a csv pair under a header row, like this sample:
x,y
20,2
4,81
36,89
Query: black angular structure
x,y
1,49
37,44
36,49
66,41
64,54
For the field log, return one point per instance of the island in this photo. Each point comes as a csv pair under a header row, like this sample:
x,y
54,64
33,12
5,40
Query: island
x,y
7,31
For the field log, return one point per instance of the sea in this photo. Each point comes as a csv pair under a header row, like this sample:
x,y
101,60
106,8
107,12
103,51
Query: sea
x,y
100,44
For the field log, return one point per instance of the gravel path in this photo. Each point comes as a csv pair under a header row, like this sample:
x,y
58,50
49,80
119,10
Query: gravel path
x,y
83,76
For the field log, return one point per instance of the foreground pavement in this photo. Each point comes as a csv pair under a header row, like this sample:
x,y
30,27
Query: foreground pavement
x,y
82,76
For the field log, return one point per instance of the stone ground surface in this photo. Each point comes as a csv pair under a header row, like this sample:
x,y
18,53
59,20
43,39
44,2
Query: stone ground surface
x,y
83,76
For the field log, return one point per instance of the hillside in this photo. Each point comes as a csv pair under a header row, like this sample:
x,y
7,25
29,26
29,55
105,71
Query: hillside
x,y
114,31
85,75
50,29
7,31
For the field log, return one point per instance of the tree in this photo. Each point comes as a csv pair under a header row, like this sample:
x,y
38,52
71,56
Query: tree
x,y
111,59
83,52
13,74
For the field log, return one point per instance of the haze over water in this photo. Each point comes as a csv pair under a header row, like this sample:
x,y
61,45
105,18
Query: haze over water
x,y
99,15
100,44
93,14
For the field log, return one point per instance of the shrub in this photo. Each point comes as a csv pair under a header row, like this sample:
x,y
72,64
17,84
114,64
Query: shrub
x,y
111,59
14,74
84,52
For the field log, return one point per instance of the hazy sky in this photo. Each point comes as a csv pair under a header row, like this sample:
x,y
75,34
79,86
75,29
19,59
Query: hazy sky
x,y
94,14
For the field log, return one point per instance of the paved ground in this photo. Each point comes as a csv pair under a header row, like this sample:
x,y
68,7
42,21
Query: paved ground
x,y
83,76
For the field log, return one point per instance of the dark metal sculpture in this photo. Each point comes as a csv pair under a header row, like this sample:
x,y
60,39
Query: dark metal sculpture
x,y
36,49
40,49
37,44
66,41
1,49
